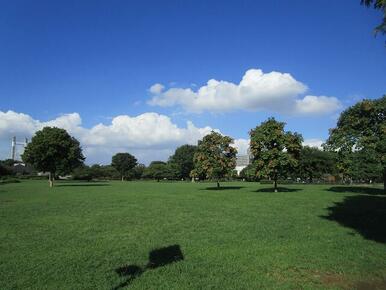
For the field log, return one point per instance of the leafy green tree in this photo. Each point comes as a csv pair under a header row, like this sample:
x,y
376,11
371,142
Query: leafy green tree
x,y
54,151
361,127
123,163
6,167
378,5
249,173
215,157
365,166
274,150
137,171
182,160
313,163
105,172
157,170
83,172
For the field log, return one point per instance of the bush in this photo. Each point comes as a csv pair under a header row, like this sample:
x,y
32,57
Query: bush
x,y
9,180
83,173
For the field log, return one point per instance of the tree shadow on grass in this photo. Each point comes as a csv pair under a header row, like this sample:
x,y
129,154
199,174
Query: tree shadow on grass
x,y
365,214
279,189
358,189
84,184
223,188
157,258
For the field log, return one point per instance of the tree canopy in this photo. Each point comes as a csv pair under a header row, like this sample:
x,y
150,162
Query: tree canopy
x,y
123,163
313,163
362,127
274,151
215,157
378,5
54,151
182,160
158,170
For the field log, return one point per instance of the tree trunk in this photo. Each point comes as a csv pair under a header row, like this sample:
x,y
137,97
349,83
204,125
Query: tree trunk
x,y
218,184
50,179
275,184
122,178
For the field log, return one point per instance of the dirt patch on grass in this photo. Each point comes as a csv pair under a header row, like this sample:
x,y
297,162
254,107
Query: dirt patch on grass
x,y
371,285
335,280
343,282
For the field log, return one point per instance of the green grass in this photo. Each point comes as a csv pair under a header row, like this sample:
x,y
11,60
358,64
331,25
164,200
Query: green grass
x,y
78,235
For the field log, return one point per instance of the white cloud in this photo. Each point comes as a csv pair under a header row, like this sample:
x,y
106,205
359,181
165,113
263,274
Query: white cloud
x,y
274,91
149,135
317,105
313,143
156,88
241,145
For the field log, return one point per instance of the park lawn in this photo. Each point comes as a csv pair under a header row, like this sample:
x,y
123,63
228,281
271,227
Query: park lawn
x,y
90,236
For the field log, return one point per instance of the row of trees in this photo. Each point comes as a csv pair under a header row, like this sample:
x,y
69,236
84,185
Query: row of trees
x,y
355,149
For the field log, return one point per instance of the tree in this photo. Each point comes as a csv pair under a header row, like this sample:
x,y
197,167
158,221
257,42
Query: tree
x,y
182,160
123,163
215,158
249,173
313,163
378,5
362,127
83,172
275,152
157,170
137,171
365,166
54,151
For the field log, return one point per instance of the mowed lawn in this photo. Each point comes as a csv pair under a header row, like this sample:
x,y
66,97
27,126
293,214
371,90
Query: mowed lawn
x,y
149,235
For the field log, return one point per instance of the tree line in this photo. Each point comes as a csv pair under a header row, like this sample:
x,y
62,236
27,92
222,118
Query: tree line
x,y
354,151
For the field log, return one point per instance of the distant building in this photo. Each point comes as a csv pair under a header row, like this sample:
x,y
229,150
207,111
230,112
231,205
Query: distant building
x,y
243,161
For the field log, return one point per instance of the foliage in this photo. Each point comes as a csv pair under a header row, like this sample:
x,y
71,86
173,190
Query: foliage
x,y
314,163
83,172
53,150
365,167
378,5
182,160
104,172
123,163
275,151
5,168
158,170
137,171
361,127
249,173
215,157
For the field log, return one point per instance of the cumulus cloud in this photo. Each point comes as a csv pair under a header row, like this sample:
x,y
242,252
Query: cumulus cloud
x,y
156,88
257,91
317,105
313,143
241,145
149,135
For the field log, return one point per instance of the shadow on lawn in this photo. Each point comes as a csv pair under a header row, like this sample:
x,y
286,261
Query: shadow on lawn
x,y
222,188
365,214
279,189
157,258
358,189
84,184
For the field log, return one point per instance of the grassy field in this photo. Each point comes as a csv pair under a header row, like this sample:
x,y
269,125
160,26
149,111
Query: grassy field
x,y
149,235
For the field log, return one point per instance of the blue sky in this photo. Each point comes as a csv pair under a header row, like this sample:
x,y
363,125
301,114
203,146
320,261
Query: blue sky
x,y
99,59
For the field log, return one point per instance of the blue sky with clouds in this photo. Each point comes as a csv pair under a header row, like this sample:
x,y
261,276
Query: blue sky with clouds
x,y
91,67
